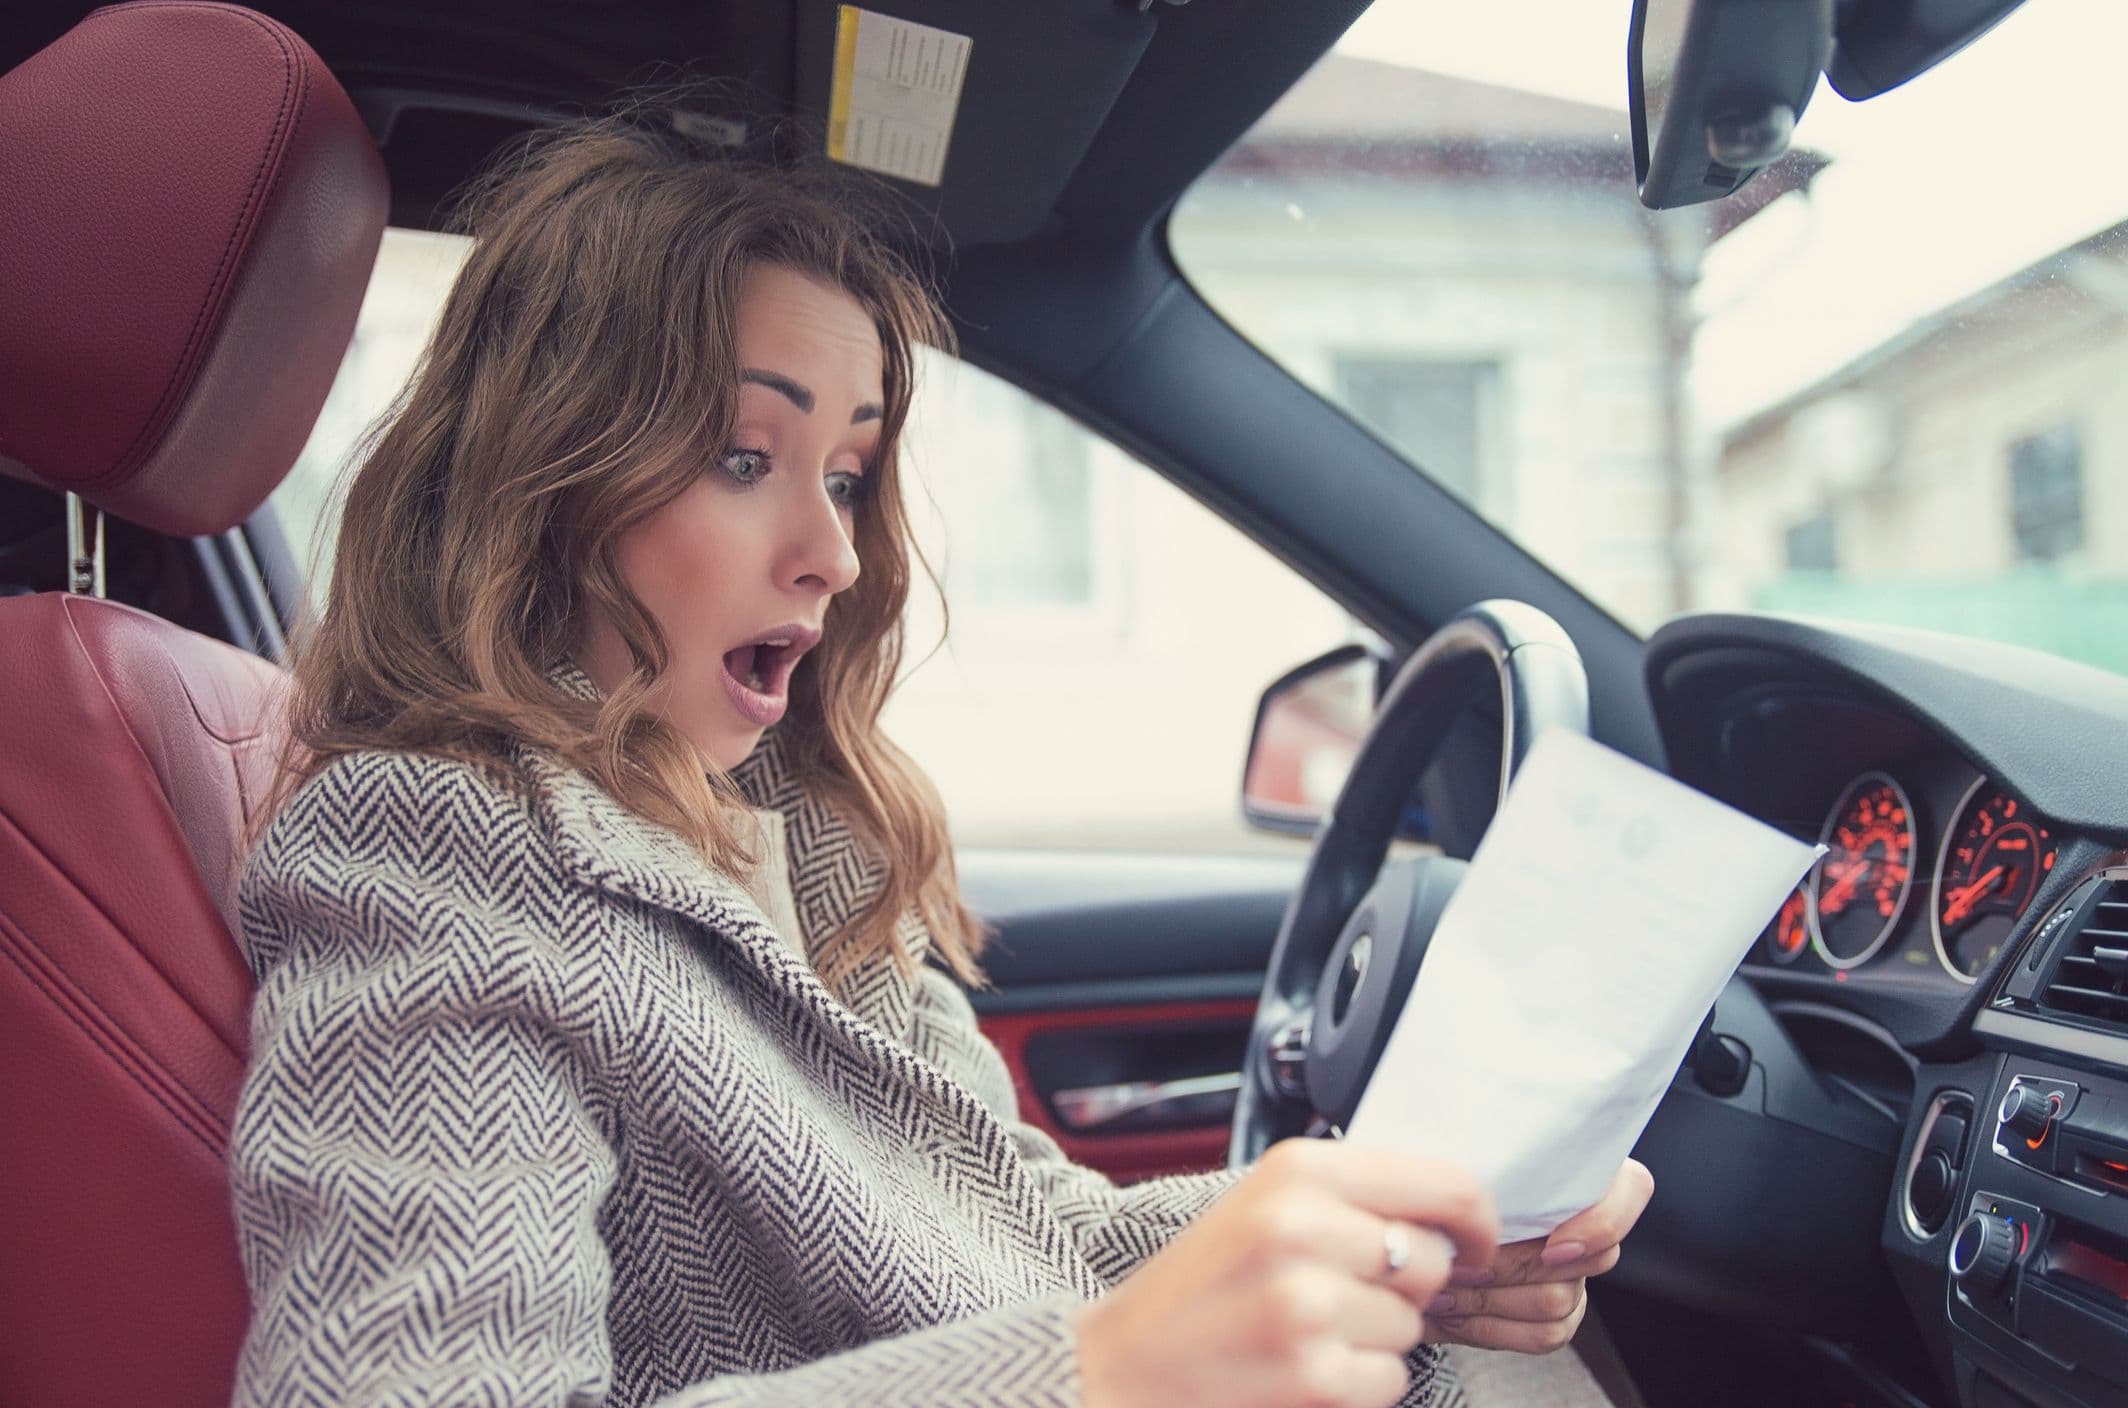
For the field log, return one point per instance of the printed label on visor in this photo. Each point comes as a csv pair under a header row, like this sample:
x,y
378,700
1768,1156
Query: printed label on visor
x,y
897,90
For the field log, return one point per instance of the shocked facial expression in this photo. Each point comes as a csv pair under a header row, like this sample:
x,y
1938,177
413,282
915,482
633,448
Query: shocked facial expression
x,y
738,570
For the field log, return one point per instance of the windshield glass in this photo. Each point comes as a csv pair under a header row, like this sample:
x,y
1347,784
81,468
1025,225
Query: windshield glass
x,y
1883,382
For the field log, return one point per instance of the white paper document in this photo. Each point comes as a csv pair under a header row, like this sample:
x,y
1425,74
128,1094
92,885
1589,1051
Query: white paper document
x,y
1602,915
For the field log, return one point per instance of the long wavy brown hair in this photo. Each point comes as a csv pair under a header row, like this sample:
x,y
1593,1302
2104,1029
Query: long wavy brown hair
x,y
584,373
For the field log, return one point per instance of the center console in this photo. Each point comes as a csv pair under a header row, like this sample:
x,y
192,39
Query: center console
x,y
2038,1258
2013,1211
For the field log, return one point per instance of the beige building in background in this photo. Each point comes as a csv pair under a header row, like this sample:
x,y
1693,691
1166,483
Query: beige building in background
x,y
1468,268
1969,475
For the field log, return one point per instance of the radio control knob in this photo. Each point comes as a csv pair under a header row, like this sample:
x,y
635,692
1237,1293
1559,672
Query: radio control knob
x,y
2030,1111
1983,1251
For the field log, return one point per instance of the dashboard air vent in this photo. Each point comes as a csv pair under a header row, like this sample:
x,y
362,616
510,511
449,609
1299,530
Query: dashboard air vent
x,y
2090,979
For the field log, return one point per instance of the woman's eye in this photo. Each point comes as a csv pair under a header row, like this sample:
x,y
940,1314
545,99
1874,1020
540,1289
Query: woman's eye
x,y
745,466
847,490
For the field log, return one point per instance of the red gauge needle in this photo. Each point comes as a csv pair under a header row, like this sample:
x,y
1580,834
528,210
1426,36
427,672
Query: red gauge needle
x,y
1965,897
1843,887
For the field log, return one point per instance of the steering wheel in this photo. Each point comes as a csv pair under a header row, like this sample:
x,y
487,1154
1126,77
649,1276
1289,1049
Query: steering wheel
x,y
1354,935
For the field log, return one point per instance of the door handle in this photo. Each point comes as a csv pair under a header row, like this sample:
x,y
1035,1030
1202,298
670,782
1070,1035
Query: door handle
x,y
1148,1104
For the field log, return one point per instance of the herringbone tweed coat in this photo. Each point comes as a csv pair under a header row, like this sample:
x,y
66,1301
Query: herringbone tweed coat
x,y
542,1111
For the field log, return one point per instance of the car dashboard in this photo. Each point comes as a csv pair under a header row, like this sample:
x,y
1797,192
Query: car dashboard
x,y
1945,997
1931,865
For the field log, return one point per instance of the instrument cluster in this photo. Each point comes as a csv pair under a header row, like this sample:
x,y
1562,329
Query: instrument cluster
x,y
1928,871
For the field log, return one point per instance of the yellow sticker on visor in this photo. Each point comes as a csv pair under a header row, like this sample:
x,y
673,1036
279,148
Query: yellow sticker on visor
x,y
896,92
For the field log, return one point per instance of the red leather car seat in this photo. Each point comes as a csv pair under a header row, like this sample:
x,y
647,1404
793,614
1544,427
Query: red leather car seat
x,y
189,211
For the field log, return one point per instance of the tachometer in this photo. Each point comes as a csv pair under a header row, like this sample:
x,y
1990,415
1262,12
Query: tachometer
x,y
1789,934
1993,858
1859,886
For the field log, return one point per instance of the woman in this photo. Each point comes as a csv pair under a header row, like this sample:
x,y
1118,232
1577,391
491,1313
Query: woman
x,y
608,1045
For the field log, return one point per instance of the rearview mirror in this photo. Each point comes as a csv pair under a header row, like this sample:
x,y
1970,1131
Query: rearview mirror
x,y
1879,47
1716,88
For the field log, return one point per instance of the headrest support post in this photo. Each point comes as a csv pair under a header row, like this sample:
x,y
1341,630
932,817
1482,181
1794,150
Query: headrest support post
x,y
84,557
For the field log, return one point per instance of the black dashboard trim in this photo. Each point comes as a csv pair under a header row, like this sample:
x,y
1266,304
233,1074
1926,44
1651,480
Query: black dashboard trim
x,y
2009,709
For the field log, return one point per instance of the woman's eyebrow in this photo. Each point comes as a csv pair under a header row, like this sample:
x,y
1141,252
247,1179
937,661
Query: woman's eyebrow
x,y
802,397
797,395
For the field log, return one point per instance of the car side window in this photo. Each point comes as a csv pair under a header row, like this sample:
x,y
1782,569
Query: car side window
x,y
1109,635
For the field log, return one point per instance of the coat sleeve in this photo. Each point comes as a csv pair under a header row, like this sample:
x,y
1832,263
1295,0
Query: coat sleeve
x,y
1116,1227
424,1142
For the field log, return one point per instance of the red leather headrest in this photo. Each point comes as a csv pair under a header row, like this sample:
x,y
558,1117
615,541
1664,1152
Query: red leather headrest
x,y
189,211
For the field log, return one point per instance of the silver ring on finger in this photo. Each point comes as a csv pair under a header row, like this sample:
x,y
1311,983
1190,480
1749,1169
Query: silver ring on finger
x,y
1396,1248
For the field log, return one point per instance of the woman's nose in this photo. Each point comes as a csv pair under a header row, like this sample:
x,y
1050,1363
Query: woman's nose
x,y
822,552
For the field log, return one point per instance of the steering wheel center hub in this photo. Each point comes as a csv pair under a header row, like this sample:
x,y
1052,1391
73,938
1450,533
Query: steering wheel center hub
x,y
1349,976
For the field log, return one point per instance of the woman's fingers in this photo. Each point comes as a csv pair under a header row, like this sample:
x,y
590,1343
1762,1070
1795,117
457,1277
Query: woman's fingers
x,y
1372,1317
1306,1283
1522,1263
1341,1376
1500,1332
1423,1258
1607,1223
1543,1303
1398,1187
1585,1245
1317,1226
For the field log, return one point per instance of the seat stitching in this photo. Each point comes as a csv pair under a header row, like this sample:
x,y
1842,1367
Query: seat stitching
x,y
130,1063
68,604
159,414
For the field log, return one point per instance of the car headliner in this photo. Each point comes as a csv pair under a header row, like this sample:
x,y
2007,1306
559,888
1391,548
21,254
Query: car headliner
x,y
1086,113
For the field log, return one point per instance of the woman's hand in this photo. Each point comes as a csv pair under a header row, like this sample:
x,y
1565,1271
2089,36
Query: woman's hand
x,y
1281,1293
1532,1297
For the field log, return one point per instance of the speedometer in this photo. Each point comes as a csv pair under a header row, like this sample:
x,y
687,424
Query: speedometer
x,y
1859,886
1994,856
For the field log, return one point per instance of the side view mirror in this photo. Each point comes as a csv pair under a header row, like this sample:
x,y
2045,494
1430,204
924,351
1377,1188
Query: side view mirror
x,y
1309,726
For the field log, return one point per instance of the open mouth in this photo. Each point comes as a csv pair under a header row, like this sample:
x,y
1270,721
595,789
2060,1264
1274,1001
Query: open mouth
x,y
764,666
757,675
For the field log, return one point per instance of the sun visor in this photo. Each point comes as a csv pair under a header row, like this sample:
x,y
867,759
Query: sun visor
x,y
978,112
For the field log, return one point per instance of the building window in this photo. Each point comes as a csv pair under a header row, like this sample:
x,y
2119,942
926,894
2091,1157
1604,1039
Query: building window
x,y
2047,494
1432,412
1029,534
1812,545
1011,491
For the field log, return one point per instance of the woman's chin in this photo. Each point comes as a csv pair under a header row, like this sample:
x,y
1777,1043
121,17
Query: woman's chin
x,y
726,741
731,754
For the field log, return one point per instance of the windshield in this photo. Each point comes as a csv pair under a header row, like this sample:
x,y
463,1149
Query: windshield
x,y
1881,383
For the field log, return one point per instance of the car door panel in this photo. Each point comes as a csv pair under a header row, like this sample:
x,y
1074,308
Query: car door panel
x,y
1067,1059
1122,990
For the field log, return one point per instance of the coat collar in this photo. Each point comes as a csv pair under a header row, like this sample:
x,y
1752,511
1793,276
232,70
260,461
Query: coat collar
x,y
601,844
604,846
